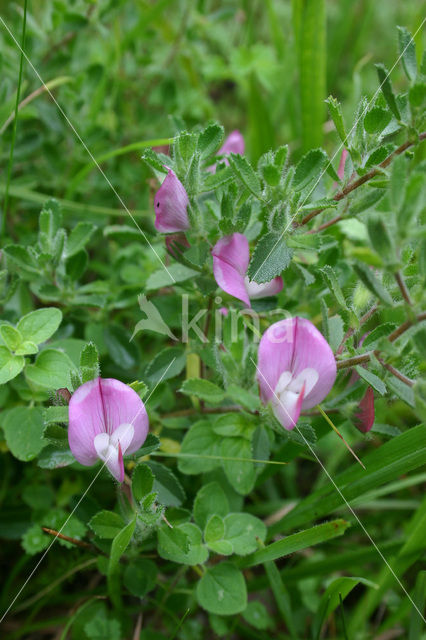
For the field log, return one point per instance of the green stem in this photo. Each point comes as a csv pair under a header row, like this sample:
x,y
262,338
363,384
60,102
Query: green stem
x,y
15,122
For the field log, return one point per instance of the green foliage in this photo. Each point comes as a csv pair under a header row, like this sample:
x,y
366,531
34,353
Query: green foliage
x,y
197,539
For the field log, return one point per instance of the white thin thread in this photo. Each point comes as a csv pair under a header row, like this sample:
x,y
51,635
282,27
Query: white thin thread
x,y
77,505
341,144
343,497
119,198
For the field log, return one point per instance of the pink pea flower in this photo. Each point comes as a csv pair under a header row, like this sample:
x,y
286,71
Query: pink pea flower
x,y
234,143
231,256
364,417
107,419
296,368
171,203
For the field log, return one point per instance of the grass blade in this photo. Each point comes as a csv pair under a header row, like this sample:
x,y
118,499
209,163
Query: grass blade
x,y
296,542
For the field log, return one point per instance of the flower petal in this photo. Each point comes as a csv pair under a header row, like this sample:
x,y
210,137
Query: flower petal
x,y
230,261
234,143
100,406
171,203
264,290
295,345
312,351
287,407
86,421
115,464
123,436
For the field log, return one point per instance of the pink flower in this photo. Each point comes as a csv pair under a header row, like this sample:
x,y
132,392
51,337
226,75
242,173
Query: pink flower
x,y
364,417
106,420
296,368
234,143
231,256
171,203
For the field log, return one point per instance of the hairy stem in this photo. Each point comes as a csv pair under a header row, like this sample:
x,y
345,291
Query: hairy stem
x,y
363,179
403,288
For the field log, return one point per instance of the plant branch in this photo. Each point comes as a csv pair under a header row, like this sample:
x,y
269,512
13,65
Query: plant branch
x,y
351,331
403,287
363,179
77,543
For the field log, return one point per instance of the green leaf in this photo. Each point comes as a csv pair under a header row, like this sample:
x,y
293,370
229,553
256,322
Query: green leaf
x,y
409,553
331,281
89,362
37,326
123,352
296,542
140,577
215,529
222,590
106,524
166,364
52,369
56,435
55,414
386,87
203,389
271,256
175,273
100,628
372,380
330,600
151,444
376,119
241,475
309,169
243,531
23,429
142,481
79,237
10,365
257,615
244,171
22,258
416,623
182,544
210,139
118,547
234,425
401,390
398,456
367,276
166,485
378,332
26,348
407,50
336,115
11,336
53,457
210,499
247,399
198,442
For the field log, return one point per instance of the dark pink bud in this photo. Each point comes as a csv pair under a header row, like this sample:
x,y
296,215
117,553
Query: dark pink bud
x,y
364,417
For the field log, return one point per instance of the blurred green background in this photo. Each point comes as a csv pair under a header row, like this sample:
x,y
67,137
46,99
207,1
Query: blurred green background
x,y
126,72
